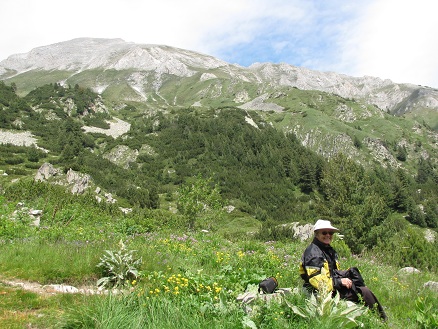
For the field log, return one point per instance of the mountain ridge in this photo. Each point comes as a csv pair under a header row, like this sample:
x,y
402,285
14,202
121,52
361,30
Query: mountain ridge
x,y
148,62
330,112
87,53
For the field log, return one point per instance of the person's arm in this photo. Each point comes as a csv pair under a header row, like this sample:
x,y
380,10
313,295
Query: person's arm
x,y
339,279
342,282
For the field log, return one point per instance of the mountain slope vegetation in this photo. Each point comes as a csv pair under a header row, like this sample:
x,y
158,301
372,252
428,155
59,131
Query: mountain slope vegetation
x,y
204,171
257,161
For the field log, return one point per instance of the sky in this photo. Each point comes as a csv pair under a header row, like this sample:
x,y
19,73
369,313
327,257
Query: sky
x,y
389,39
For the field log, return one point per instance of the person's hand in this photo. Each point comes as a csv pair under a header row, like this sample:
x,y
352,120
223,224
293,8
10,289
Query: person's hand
x,y
347,283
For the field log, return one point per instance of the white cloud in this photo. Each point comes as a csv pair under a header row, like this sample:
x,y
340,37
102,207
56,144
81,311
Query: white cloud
x,y
392,39
191,24
396,39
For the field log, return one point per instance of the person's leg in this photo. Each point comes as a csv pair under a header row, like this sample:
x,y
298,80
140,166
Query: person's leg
x,y
370,300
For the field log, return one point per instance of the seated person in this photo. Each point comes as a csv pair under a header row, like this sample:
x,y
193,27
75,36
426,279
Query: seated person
x,y
319,269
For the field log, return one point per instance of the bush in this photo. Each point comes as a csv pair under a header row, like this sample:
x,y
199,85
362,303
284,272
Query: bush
x,y
14,161
409,248
32,165
270,231
340,246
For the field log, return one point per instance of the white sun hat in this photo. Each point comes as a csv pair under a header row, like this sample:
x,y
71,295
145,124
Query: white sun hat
x,y
321,224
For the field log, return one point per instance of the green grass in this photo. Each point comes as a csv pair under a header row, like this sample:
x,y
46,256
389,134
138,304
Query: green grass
x,y
28,81
50,263
227,267
23,309
426,115
187,278
133,312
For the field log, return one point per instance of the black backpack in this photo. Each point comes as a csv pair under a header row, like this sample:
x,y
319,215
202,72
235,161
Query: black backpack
x,y
268,285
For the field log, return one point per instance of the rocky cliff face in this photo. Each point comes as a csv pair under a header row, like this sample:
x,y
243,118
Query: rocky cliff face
x,y
383,93
150,66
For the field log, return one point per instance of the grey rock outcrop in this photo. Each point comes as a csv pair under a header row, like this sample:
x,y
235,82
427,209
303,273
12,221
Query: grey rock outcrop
x,y
17,138
47,171
122,156
79,182
259,104
302,232
430,235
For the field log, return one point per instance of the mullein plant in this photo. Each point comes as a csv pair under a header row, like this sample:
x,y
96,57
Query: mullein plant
x,y
118,267
331,312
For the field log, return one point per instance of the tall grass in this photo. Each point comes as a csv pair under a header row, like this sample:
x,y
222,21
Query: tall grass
x,y
187,279
203,274
62,262
131,312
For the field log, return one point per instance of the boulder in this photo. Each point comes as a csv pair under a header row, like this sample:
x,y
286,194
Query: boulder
x,y
36,216
432,285
46,171
408,270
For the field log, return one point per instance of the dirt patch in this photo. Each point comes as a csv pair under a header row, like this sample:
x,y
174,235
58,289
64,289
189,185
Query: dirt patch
x,y
49,289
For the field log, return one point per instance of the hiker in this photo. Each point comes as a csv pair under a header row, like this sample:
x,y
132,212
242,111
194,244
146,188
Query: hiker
x,y
319,269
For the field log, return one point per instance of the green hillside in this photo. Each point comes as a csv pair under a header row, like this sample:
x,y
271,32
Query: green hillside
x,y
235,175
264,162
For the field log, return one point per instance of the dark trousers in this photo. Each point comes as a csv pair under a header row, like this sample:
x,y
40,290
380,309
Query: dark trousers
x,y
371,301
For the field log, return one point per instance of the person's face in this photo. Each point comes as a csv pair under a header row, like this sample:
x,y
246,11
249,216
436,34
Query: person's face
x,y
325,235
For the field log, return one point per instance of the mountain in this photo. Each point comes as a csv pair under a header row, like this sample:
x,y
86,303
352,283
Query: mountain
x,y
86,54
281,141
328,112
145,72
105,140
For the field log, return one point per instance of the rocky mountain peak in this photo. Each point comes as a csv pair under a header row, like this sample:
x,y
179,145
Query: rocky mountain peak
x,y
147,63
90,53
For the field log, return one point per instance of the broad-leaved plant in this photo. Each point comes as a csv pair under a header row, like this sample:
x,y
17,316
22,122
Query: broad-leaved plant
x,y
119,267
331,312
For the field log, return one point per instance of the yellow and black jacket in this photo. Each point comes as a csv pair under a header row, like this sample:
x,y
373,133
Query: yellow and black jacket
x,y
317,265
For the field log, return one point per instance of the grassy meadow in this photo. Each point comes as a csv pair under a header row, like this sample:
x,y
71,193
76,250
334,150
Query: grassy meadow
x,y
168,276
